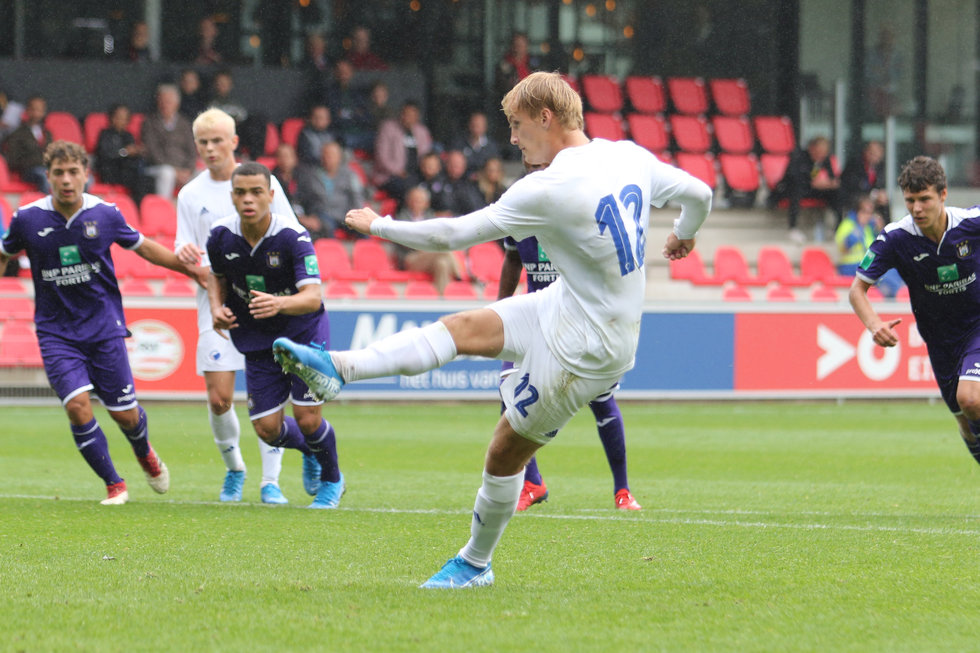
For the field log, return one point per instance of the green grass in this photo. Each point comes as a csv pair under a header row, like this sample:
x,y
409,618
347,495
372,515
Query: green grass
x,y
766,527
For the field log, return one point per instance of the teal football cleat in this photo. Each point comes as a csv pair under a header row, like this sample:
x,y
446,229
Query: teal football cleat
x,y
329,494
312,364
311,474
272,494
459,574
232,489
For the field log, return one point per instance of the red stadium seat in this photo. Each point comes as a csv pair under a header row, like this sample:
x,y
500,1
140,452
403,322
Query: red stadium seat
x,y
601,125
646,94
419,289
12,285
817,266
17,308
136,287
135,126
734,135
780,294
290,129
741,172
158,216
340,290
773,264
902,294
730,265
649,131
775,134
690,268
821,293
271,139
486,260
773,168
689,95
602,93
64,127
6,212
731,96
736,293
181,287
92,126
127,207
334,261
690,133
9,182
18,345
875,295
701,166
459,290
29,198
380,290
370,256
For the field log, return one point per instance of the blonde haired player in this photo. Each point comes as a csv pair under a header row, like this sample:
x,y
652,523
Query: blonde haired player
x,y
200,203
571,341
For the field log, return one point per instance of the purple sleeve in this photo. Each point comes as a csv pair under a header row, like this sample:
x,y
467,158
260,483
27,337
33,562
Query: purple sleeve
x,y
214,254
125,235
305,265
877,260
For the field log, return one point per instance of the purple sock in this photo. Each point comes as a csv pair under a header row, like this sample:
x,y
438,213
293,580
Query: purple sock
x,y
94,448
974,448
609,422
323,443
137,436
290,437
531,472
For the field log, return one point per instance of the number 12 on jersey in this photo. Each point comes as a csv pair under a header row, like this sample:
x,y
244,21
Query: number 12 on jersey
x,y
607,216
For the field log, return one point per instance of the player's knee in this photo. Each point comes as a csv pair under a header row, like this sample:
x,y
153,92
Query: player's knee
x,y
218,402
969,400
268,430
79,409
309,423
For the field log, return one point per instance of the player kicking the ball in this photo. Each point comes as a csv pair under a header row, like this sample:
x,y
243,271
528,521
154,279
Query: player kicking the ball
x,y
570,341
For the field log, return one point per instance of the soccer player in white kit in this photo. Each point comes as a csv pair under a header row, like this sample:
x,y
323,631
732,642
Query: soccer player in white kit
x,y
570,341
201,202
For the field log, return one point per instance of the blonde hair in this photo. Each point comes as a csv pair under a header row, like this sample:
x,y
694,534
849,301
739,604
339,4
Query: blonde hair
x,y
213,119
539,91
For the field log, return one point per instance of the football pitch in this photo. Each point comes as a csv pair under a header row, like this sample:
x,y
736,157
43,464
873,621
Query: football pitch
x,y
766,526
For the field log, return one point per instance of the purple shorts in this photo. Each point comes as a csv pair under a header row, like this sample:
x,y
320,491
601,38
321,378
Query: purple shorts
x,y
77,367
269,388
949,370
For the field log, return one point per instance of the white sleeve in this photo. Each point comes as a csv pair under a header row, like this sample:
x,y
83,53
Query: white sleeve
x,y
185,225
440,234
280,204
694,196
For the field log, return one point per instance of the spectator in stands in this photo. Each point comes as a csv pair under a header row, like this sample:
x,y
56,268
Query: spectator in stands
x,y
516,63
304,191
343,186
316,67
809,175
475,145
360,55
249,125
348,107
397,149
24,146
378,108
170,152
490,180
461,194
118,157
192,100
432,177
441,266
864,175
207,54
10,114
315,134
138,49
854,236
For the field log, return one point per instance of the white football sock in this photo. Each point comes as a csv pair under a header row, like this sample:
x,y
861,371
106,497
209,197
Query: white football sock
x,y
408,352
496,503
227,433
271,463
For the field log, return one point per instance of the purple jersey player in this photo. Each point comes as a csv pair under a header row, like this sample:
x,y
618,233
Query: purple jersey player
x,y
78,310
265,283
936,250
541,273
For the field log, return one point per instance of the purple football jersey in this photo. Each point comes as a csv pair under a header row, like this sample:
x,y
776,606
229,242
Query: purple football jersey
x,y
942,278
281,263
76,294
541,273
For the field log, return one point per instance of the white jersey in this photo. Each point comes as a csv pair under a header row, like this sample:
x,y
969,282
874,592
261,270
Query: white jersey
x,y
200,203
589,211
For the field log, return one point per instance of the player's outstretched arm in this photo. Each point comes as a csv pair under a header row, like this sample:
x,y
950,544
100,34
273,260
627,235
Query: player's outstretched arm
x,y
882,332
157,254
263,305
510,274
221,316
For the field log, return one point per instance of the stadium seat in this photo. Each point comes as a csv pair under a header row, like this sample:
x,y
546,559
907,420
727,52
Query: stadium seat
x,y
419,289
690,133
12,285
602,93
775,134
773,168
92,126
135,126
158,216
689,95
817,266
271,139
6,212
690,268
136,287
380,290
18,346
734,135
875,295
182,287
370,256
290,129
64,127
338,289
127,207
129,265
602,125
492,290
29,197
902,294
17,308
334,261
730,265
485,262
780,294
11,183
741,173
731,96
822,293
735,293
459,290
773,265
649,131
358,169
646,94
700,165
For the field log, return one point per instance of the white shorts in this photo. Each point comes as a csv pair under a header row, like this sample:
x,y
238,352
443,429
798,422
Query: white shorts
x,y
540,396
217,354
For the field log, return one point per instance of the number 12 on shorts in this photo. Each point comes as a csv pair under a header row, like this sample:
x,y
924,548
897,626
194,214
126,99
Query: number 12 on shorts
x,y
524,387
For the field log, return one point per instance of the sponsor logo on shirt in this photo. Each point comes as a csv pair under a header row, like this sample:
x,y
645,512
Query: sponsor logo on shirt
x,y
868,259
232,256
69,255
255,282
948,272
312,267
975,370
919,257
304,239
44,232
